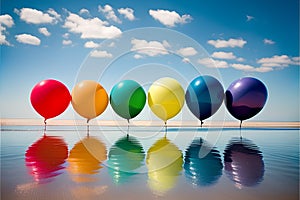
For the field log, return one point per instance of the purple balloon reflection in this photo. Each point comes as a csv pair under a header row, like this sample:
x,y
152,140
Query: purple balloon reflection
x,y
244,163
245,97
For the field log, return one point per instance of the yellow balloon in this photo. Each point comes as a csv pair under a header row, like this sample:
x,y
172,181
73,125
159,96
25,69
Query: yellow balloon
x,y
164,163
89,99
86,158
166,98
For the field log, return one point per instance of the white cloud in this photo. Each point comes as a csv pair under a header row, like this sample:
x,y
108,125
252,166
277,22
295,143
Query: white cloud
x,y
169,18
5,20
240,59
277,61
127,13
187,51
67,42
249,18
250,68
28,39
112,44
84,11
101,54
223,55
296,59
52,12
186,60
66,35
137,56
227,43
211,63
151,48
44,31
91,44
268,41
91,28
33,16
109,13
2,36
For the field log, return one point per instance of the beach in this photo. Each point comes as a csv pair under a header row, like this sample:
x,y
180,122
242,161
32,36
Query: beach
x,y
207,124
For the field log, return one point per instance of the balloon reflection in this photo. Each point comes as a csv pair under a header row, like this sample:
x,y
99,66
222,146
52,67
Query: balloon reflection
x,y
243,163
45,158
203,165
164,162
124,158
86,158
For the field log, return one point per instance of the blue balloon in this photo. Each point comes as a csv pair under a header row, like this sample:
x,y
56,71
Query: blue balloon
x,y
245,97
204,96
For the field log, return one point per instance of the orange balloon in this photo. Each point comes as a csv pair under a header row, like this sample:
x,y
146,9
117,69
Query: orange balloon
x,y
89,99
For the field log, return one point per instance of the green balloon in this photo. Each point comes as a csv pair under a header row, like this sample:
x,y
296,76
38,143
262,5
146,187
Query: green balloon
x,y
127,98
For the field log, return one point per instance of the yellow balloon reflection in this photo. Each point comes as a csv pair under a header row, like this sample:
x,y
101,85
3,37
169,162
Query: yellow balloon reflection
x,y
164,162
85,159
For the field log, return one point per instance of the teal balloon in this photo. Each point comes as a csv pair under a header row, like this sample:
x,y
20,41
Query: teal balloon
x,y
127,98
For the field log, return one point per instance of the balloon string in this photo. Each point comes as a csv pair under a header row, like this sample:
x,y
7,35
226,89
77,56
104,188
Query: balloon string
x,y
241,129
88,128
45,125
166,128
128,127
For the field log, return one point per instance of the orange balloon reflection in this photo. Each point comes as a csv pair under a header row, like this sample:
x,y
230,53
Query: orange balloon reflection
x,y
86,158
45,158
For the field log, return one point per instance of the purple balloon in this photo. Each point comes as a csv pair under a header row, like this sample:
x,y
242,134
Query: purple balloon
x,y
245,97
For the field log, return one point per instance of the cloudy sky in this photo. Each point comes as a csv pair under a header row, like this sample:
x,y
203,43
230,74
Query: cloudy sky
x,y
53,39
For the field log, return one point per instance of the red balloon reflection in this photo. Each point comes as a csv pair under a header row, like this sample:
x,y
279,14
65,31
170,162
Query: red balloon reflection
x,y
45,158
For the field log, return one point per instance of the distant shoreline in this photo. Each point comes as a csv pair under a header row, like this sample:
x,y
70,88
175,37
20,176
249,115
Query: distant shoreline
x,y
229,124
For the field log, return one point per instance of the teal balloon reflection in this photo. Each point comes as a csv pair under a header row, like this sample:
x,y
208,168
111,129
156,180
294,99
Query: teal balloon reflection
x,y
202,163
125,157
244,163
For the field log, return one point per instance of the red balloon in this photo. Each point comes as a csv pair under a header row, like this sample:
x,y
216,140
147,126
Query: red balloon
x,y
50,98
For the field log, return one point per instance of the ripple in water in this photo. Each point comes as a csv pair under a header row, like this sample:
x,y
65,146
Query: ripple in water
x,y
202,170
244,163
124,158
45,158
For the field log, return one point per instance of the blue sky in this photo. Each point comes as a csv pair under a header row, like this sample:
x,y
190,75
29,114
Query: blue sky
x,y
56,39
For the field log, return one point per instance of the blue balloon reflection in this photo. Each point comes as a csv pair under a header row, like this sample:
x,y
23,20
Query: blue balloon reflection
x,y
244,163
202,163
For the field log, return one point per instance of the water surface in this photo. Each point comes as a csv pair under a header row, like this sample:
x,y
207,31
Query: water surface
x,y
184,163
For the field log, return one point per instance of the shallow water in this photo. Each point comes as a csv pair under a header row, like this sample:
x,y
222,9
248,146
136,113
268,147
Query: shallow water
x,y
185,163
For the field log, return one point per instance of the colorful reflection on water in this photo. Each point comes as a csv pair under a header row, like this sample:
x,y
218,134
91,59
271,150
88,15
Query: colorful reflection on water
x,y
244,163
45,158
203,165
110,165
86,158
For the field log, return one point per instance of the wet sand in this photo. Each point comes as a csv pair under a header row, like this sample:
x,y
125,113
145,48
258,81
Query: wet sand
x,y
225,124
